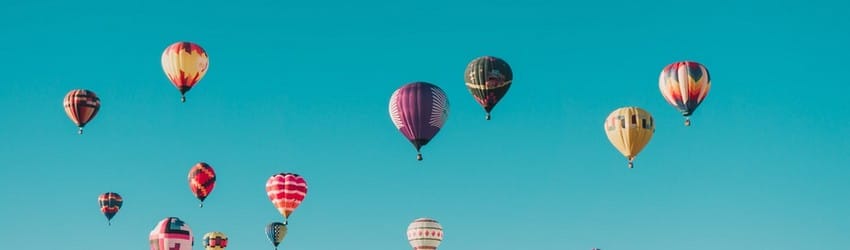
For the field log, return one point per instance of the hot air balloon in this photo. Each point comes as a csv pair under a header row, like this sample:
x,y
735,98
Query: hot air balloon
x,y
629,129
276,231
488,78
171,234
81,105
424,234
201,181
286,191
215,241
185,63
110,203
419,110
684,85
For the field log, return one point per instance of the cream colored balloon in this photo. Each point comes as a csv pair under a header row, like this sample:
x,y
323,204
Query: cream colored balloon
x,y
629,129
425,234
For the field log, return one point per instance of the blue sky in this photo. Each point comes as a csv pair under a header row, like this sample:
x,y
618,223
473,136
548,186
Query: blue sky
x,y
303,87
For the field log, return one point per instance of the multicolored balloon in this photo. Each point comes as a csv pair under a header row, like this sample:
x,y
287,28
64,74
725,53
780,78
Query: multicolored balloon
x,y
424,234
171,234
418,110
488,79
215,241
276,231
684,85
629,129
201,181
81,105
286,191
110,203
185,63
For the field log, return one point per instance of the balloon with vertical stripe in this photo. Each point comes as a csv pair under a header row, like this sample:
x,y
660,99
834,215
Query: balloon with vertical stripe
x,y
81,105
110,203
215,241
185,64
419,110
171,234
684,85
286,192
202,180
629,129
424,234
276,232
488,79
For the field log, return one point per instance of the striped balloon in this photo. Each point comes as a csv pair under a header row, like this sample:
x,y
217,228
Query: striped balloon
x,y
110,203
215,241
202,181
488,79
171,234
81,105
684,85
425,234
419,110
276,231
286,191
184,63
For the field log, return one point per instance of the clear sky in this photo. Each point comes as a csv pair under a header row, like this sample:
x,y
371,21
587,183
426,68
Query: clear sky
x,y
303,87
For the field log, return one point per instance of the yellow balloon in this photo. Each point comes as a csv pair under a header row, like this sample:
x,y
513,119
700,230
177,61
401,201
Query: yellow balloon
x,y
215,241
629,129
185,63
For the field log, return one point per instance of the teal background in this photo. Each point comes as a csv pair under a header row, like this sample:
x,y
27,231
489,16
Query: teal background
x,y
304,86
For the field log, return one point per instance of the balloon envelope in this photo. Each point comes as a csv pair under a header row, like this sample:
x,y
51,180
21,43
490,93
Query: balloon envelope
x,y
81,105
684,85
171,234
424,234
286,192
276,232
201,180
419,110
184,63
110,203
488,79
215,241
629,129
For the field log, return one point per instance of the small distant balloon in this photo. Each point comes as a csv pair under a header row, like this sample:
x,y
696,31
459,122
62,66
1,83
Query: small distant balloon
x,y
110,203
185,64
629,129
276,232
419,110
202,181
171,234
286,192
684,86
81,105
424,234
215,241
488,79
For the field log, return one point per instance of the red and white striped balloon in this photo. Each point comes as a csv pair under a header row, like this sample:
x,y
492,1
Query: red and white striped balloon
x,y
425,234
286,191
